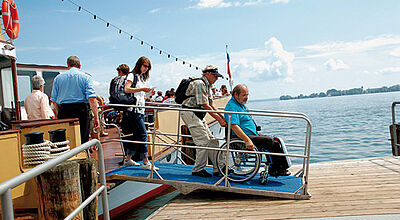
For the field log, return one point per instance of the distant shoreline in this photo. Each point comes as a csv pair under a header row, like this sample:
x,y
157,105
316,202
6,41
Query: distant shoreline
x,y
334,92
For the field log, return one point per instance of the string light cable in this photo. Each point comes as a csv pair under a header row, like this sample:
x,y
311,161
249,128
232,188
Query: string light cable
x,y
142,42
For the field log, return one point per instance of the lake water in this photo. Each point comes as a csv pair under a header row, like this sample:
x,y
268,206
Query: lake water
x,y
343,127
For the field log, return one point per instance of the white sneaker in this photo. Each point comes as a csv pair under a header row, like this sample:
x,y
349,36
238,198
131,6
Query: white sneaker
x,y
147,166
131,163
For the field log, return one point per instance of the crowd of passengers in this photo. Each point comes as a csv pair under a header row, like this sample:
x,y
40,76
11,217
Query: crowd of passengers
x,y
73,96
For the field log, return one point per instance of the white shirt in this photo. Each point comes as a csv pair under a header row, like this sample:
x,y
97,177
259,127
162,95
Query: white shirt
x,y
169,101
158,99
140,101
37,106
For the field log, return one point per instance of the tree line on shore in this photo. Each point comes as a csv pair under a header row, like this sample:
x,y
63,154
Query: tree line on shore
x,y
353,91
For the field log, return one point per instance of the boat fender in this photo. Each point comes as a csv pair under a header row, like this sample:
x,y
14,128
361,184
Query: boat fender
x,y
10,18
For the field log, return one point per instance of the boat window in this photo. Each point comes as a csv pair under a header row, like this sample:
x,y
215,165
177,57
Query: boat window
x,y
7,88
24,88
24,78
48,79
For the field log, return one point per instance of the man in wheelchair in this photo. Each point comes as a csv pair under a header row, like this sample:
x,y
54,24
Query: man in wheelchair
x,y
245,128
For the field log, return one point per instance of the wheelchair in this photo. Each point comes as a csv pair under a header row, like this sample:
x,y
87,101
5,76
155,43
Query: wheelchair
x,y
244,166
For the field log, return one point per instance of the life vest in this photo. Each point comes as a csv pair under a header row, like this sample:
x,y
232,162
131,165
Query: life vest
x,y
10,18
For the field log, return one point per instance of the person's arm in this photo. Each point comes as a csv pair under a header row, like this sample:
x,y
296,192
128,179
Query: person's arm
x,y
53,98
44,107
216,109
54,107
217,116
129,89
239,132
93,107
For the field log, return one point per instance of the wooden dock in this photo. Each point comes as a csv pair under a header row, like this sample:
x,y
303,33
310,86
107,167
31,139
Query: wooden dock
x,y
345,188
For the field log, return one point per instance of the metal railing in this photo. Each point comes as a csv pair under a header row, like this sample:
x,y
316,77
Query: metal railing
x,y
394,131
306,155
5,187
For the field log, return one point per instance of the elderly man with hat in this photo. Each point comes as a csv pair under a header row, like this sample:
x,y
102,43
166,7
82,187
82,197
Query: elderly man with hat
x,y
200,97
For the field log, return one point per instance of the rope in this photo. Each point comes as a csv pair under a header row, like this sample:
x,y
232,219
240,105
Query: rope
x,y
59,148
35,154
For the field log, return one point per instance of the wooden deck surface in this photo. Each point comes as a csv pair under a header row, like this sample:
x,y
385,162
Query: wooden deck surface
x,y
346,188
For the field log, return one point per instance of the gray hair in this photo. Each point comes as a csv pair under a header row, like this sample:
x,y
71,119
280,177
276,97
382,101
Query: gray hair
x,y
73,61
238,89
37,81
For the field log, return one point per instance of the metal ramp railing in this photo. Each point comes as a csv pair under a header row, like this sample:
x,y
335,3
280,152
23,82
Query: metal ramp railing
x,y
155,177
5,187
394,132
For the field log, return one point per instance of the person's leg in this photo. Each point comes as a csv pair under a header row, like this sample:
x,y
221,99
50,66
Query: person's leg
x,y
200,137
140,134
264,142
80,111
129,148
213,143
84,122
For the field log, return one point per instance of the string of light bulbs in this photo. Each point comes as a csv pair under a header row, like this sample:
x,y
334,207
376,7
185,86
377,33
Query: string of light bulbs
x,y
132,36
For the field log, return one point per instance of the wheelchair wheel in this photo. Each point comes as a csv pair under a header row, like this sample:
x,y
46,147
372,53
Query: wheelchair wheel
x,y
244,165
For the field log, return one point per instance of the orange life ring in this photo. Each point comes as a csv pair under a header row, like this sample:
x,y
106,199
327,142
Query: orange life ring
x,y
11,23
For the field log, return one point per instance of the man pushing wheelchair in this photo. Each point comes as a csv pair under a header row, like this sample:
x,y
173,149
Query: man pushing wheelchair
x,y
245,128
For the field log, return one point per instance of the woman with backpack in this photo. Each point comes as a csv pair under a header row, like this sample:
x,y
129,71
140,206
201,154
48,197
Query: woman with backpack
x,y
133,119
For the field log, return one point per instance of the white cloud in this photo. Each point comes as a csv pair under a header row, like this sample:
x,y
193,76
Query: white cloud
x,y
98,39
279,59
263,65
154,10
330,48
279,1
213,4
389,70
395,52
40,48
101,88
288,80
311,69
223,3
333,65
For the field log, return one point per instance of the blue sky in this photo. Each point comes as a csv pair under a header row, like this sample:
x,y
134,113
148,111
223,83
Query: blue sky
x,y
277,47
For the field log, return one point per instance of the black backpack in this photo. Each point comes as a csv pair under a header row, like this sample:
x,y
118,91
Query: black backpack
x,y
117,93
180,93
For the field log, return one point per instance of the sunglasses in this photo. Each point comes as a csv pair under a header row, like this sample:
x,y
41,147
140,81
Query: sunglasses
x,y
147,66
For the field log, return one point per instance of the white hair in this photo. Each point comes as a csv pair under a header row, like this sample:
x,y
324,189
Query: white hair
x,y
37,81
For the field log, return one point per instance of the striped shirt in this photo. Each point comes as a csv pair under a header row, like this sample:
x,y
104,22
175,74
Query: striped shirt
x,y
199,92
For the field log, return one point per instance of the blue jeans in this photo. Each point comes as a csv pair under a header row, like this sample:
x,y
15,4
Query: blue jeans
x,y
133,123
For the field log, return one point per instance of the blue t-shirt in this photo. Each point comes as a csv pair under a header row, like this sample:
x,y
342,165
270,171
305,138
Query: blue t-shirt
x,y
72,86
245,122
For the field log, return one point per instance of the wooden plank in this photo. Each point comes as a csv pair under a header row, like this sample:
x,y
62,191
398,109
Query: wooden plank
x,y
347,188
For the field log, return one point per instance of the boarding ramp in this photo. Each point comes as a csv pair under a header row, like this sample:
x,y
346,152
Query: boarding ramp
x,y
178,174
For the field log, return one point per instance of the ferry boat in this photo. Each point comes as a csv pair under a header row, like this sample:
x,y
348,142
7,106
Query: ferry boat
x,y
15,85
124,194
127,191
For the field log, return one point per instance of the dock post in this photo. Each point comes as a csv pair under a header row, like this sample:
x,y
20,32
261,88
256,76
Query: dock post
x,y
59,191
88,179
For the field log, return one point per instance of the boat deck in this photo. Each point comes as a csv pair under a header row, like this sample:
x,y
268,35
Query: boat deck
x,y
345,188
180,177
